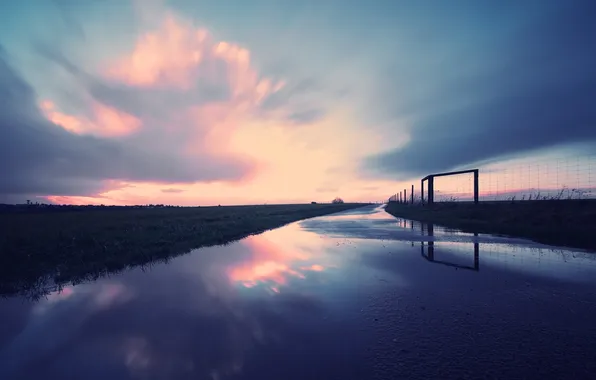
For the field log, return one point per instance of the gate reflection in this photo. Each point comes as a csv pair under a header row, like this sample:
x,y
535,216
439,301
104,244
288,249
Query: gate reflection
x,y
429,253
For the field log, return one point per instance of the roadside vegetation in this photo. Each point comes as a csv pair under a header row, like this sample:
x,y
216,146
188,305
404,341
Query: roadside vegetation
x,y
48,246
562,222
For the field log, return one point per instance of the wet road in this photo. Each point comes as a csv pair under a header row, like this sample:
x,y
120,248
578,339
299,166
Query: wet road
x,y
355,295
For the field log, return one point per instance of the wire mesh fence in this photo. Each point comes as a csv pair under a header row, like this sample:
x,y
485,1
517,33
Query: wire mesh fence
x,y
572,177
567,177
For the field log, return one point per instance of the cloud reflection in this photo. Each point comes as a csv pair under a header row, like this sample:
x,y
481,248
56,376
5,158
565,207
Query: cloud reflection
x,y
196,317
53,322
274,260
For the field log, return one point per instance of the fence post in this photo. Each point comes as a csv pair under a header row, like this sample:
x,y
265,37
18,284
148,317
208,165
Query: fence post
x,y
405,196
412,195
422,191
431,190
476,186
431,243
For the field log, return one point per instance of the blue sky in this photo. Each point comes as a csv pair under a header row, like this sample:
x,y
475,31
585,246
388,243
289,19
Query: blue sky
x,y
283,101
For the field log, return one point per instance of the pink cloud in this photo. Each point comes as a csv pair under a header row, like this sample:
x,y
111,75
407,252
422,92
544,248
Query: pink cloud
x,y
179,58
113,122
83,200
314,268
178,55
106,121
180,72
68,122
178,95
179,92
160,57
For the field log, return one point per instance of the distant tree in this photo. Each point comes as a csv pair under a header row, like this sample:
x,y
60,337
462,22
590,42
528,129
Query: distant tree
x,y
337,201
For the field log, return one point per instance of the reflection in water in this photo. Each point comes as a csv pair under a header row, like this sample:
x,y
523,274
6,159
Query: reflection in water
x,y
430,249
341,296
273,262
53,322
517,254
197,317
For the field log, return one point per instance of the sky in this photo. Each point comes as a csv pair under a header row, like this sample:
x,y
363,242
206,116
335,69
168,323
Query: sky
x,y
209,102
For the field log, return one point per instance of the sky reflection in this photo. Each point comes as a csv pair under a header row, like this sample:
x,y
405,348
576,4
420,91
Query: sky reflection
x,y
273,260
314,299
200,315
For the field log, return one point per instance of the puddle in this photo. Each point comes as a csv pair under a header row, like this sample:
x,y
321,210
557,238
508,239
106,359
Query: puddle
x,y
353,295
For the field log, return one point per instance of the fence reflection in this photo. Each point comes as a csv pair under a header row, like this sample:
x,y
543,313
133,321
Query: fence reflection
x,y
430,250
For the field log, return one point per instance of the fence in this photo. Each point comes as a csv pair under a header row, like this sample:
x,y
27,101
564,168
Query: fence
x,y
571,177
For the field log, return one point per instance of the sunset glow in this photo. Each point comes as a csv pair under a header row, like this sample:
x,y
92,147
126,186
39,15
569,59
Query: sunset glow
x,y
176,102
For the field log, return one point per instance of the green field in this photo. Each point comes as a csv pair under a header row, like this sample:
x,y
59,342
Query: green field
x,y
570,223
72,244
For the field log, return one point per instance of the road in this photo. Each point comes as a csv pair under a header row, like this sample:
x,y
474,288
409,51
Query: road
x,y
354,295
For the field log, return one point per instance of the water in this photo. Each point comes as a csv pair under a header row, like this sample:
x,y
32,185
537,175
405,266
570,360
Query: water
x,y
355,295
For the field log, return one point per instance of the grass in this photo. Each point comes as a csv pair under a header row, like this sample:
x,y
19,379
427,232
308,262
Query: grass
x,y
70,245
563,222
564,193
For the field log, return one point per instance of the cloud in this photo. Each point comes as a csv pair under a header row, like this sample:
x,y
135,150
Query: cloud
x,y
164,111
173,107
533,87
38,157
303,101
173,70
106,121
72,24
172,191
307,116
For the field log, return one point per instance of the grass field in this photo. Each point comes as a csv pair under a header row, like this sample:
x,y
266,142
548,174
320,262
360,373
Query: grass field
x,y
570,223
40,247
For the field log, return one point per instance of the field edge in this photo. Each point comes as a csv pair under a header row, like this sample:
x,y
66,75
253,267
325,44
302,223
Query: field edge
x,y
559,223
47,250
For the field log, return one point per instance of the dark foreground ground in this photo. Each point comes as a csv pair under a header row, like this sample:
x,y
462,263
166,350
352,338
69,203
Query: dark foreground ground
x,y
40,246
356,295
570,223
